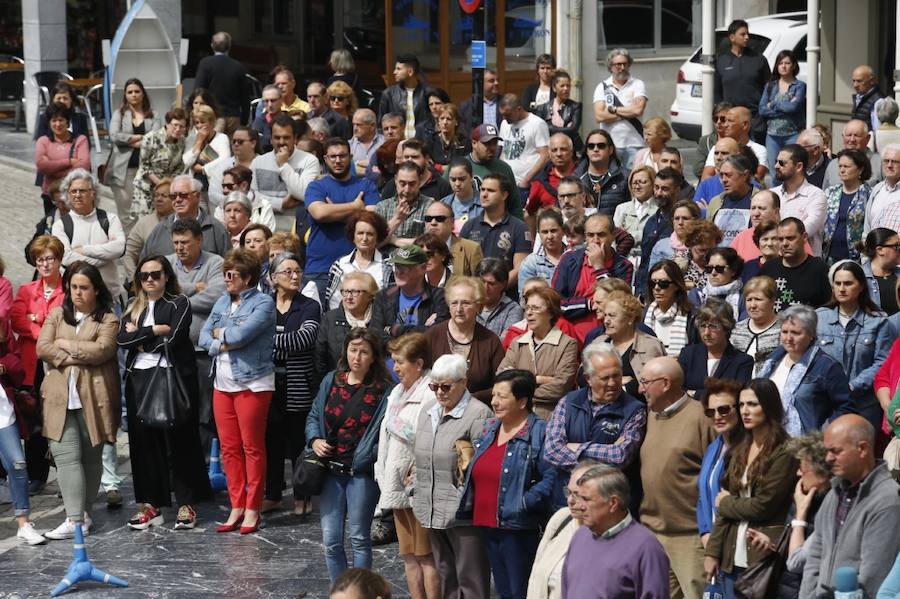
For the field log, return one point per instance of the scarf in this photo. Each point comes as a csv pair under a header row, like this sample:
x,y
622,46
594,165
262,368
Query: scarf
x,y
677,245
394,423
676,322
354,323
731,293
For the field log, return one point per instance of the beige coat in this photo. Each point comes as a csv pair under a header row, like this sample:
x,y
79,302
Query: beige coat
x,y
644,348
94,363
556,356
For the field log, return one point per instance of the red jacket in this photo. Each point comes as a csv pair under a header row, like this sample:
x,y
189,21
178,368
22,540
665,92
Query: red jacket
x,y
889,374
30,300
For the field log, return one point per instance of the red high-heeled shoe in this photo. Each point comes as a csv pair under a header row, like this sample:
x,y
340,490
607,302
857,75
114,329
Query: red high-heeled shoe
x,y
231,527
246,530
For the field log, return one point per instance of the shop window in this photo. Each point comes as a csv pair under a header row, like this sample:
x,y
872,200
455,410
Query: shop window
x,y
416,30
274,17
647,24
527,31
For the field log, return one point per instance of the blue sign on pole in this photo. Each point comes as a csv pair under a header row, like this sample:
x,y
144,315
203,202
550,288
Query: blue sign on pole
x,y
479,54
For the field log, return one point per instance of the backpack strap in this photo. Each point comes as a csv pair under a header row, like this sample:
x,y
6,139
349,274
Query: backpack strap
x,y
68,226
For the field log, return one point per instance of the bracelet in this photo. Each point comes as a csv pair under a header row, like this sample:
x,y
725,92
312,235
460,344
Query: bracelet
x,y
799,523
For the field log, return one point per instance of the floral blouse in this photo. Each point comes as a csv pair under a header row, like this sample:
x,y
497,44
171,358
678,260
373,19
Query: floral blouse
x,y
351,432
160,158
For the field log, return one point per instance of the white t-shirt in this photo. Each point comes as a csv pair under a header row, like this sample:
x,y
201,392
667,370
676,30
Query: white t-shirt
x,y
225,381
74,398
521,142
7,413
145,360
761,154
623,133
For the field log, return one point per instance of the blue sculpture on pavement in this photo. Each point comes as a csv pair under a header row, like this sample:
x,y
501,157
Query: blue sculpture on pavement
x,y
81,569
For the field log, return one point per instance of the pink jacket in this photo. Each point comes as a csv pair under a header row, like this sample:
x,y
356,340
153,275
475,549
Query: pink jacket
x,y
30,300
52,158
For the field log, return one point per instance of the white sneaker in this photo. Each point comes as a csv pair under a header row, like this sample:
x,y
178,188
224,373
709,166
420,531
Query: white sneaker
x,y
66,530
30,535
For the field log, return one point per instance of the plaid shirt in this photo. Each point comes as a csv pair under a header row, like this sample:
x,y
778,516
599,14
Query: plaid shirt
x,y
618,454
414,225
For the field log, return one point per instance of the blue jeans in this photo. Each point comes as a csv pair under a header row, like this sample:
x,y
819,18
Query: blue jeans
x,y
13,459
774,143
511,554
354,498
728,580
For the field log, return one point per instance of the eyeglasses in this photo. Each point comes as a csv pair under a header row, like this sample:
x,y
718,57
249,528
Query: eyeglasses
x,y
534,309
290,273
343,156
438,218
619,65
661,283
78,192
46,260
228,186
271,101
430,254
338,98
718,269
601,145
721,411
461,304
153,275
241,141
711,326
442,387
721,119
781,162
231,274
646,383
181,195
568,196
351,292
893,246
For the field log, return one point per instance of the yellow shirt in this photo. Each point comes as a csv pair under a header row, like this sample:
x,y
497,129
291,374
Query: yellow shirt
x,y
297,106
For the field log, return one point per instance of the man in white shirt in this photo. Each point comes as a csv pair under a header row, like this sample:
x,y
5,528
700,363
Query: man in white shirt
x,y
887,193
526,140
282,175
619,103
800,198
854,136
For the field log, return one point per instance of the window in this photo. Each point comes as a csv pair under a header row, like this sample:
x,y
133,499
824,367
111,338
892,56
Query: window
x,y
275,17
416,30
647,24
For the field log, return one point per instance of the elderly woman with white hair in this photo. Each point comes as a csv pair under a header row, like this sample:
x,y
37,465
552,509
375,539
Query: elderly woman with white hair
x,y
237,211
813,386
445,432
887,111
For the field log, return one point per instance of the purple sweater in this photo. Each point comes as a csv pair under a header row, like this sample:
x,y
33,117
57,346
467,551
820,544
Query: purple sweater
x,y
632,564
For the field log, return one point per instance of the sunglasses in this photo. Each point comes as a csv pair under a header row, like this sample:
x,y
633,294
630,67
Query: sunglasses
x,y
338,98
181,195
440,218
229,275
153,275
661,283
719,269
598,146
443,387
228,186
721,411
239,141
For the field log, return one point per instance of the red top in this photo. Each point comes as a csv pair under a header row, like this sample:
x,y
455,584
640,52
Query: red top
x,y
486,480
30,300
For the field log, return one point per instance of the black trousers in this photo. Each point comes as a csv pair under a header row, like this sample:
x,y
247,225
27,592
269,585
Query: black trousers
x,y
285,438
207,422
165,461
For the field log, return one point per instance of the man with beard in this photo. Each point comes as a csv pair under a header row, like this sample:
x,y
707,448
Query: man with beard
x,y
799,198
619,103
330,201
602,174
484,161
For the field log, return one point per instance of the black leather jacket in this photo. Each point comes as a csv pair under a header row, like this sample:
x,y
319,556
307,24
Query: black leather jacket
x,y
393,99
571,116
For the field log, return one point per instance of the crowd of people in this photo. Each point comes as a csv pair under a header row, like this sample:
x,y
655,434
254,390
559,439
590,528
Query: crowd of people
x,y
541,360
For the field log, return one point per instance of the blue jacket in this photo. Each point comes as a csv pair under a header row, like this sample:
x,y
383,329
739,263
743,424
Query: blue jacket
x,y
824,391
791,106
248,333
568,272
658,226
734,365
525,483
874,290
709,483
367,451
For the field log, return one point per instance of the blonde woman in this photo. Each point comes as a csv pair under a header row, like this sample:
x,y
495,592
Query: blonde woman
x,y
205,146
657,134
342,100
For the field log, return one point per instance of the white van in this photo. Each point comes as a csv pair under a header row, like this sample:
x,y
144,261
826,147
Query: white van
x,y
768,36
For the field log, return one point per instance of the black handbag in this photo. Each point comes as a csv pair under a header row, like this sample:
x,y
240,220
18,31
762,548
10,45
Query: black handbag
x,y
310,470
760,581
164,401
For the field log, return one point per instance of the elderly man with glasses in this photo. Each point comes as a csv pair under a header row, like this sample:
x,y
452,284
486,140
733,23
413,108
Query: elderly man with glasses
x,y
185,194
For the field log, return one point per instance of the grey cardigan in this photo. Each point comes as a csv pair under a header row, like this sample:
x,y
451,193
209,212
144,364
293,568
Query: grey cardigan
x,y
120,129
436,498
868,537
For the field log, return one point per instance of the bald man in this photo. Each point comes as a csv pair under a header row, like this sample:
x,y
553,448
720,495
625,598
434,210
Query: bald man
x,y
856,525
737,127
543,191
671,455
866,96
712,186
855,136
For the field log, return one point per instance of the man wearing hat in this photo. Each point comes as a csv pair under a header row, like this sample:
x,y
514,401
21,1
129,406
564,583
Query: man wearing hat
x,y
484,161
412,304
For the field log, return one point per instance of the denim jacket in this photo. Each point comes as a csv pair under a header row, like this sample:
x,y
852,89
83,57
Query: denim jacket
x,y
526,482
790,107
367,450
248,333
822,393
862,347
